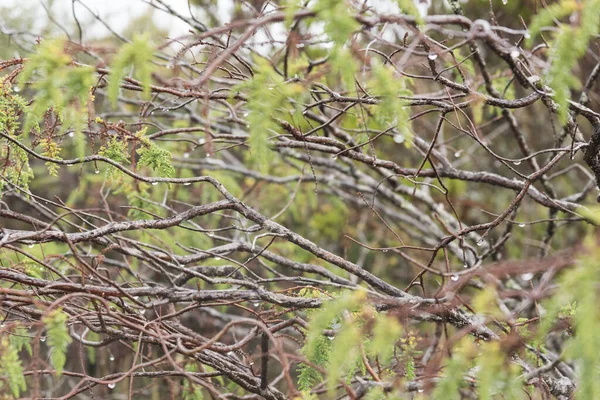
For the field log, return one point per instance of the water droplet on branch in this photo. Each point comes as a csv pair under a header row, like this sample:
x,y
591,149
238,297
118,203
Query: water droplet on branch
x,y
527,277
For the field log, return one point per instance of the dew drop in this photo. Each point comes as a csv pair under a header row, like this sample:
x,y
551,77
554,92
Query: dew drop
x,y
270,88
207,155
334,158
71,134
527,277
385,250
201,141
2,325
517,162
454,278
420,390
465,265
70,165
330,337
154,183
112,385
300,45
16,89
398,138
514,54
505,2
111,358
31,246
186,155
432,56
231,353
211,234
521,225
527,35
479,242
458,154
256,304
42,338
187,184
97,171
217,258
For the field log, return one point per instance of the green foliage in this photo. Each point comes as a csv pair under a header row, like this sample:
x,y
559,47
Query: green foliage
x,y
386,332
58,338
448,388
16,168
408,346
579,287
549,14
154,156
309,376
51,149
116,150
137,54
339,26
333,215
408,7
63,86
494,377
20,339
266,94
11,368
570,45
339,22
391,110
345,352
357,327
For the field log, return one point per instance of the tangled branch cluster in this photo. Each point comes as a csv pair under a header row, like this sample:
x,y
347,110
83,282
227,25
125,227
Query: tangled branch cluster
x,y
281,182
